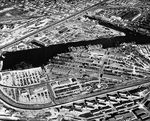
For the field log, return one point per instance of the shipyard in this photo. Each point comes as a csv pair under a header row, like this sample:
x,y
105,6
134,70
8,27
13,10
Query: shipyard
x,y
74,60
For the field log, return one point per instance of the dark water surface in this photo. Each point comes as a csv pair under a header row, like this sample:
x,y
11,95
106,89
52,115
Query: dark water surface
x,y
41,56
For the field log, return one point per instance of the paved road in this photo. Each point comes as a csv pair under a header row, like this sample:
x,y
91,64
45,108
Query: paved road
x,y
9,102
15,19
50,25
106,91
27,86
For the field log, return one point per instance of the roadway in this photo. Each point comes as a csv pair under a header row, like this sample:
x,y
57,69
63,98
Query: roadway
x,y
51,25
14,104
106,91
7,20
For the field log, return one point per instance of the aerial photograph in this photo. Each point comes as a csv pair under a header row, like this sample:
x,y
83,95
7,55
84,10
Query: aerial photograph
x,y
74,60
